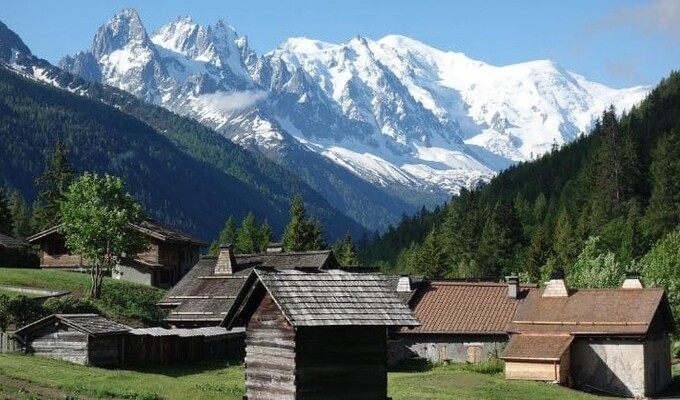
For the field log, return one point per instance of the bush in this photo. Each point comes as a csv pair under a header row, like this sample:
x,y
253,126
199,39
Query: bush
x,y
24,310
69,305
132,301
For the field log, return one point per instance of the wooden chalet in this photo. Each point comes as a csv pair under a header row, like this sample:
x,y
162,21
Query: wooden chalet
x,y
461,321
87,339
317,334
206,293
169,255
610,340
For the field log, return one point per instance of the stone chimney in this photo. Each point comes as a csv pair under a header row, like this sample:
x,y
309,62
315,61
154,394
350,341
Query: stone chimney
x,y
513,286
226,262
556,287
404,284
632,281
274,248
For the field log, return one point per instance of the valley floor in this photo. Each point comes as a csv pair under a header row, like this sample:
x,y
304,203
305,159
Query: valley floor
x,y
29,377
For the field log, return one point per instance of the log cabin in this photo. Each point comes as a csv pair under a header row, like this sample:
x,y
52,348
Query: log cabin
x,y
317,334
169,255
206,293
461,321
87,339
609,340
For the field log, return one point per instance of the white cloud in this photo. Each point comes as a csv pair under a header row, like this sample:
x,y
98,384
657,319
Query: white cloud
x,y
233,101
656,16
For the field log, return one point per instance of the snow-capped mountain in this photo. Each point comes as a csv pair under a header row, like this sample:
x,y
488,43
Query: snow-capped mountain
x,y
412,120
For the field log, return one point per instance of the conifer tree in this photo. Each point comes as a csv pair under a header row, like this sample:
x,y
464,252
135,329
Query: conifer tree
x,y
663,212
302,234
345,251
226,237
538,254
266,236
430,260
21,217
53,184
6,225
248,236
565,245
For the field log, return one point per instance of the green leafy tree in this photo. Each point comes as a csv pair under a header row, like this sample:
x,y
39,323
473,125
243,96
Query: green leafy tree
x,y
97,216
596,268
660,268
54,182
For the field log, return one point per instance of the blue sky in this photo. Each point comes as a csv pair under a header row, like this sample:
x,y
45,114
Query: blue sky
x,y
616,42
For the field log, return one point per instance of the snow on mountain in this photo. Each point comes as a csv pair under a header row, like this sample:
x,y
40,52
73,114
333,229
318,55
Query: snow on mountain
x,y
394,112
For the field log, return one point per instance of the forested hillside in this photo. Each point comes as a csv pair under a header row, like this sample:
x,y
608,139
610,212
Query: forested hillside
x,y
181,172
592,208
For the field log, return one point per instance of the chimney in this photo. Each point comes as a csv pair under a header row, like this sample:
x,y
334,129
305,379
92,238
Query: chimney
x,y
632,281
555,287
513,286
404,284
226,262
274,248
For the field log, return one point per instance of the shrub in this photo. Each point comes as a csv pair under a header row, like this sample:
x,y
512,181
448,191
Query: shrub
x,y
132,301
69,305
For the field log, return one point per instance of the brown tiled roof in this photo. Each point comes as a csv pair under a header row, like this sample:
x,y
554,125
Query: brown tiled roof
x,y
203,296
327,298
464,307
592,312
537,347
92,324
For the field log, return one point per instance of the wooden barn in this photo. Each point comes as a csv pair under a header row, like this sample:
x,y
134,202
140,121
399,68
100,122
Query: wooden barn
x,y
87,339
205,294
317,334
147,346
169,255
610,340
461,321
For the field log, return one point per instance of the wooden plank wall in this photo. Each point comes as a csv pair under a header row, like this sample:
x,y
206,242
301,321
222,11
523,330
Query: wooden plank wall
x,y
8,344
60,343
106,351
531,370
270,354
342,362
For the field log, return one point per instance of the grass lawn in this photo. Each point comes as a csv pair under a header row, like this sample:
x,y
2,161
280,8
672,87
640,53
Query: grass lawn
x,y
124,301
224,381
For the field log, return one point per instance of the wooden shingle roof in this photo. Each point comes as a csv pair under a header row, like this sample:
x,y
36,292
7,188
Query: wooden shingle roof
x,y
537,347
203,296
592,312
326,298
92,324
453,307
9,241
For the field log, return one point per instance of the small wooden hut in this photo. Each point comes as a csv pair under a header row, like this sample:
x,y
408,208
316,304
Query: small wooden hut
x,y
317,335
87,339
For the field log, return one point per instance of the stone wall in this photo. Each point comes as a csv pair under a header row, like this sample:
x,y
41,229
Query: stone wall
x,y
454,348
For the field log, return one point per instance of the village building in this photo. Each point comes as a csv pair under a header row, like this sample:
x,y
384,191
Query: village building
x,y
317,334
610,340
87,339
206,293
15,252
461,321
169,255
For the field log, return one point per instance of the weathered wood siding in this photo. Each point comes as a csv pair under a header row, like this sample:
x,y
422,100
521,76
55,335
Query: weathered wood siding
x,y
270,354
60,259
106,351
151,254
60,342
8,344
341,362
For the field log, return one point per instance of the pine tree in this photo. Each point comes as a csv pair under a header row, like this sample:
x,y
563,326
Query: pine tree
x,y
266,236
248,236
565,245
21,218
345,251
53,184
226,237
294,234
430,260
663,212
538,254
6,225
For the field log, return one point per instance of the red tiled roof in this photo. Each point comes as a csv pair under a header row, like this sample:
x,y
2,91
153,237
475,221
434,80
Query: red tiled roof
x,y
591,312
537,347
464,307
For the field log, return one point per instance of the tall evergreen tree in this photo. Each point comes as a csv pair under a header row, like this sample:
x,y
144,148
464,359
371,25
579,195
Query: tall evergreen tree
x,y
53,184
266,236
301,233
248,236
345,251
6,225
21,216
430,260
663,213
565,245
226,237
537,255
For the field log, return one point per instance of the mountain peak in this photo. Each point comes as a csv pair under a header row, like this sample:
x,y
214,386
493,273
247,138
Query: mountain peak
x,y
121,30
11,44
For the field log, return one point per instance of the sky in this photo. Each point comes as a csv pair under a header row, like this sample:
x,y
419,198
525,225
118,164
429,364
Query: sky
x,y
620,43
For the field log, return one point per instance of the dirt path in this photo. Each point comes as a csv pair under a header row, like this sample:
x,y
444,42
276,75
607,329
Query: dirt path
x,y
36,390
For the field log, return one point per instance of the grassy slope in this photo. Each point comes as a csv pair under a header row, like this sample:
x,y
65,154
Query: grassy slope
x,y
121,300
224,381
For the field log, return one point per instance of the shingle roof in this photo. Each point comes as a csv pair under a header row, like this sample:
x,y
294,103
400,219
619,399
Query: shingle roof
x,y
92,324
202,295
464,307
149,227
591,311
537,347
9,241
330,298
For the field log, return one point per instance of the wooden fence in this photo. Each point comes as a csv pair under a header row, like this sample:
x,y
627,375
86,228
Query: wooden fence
x,y
8,344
